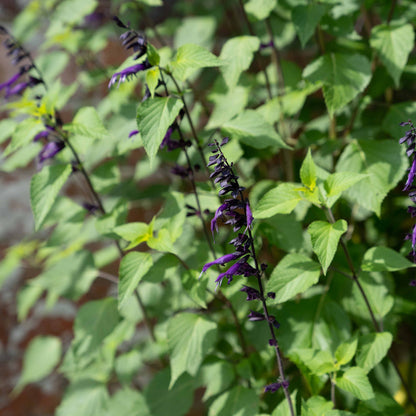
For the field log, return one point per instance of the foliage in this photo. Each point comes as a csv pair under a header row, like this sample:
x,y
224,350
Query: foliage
x,y
133,188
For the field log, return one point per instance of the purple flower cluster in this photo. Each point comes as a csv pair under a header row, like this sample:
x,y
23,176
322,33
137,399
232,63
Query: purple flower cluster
x,y
18,83
22,80
410,140
138,43
236,212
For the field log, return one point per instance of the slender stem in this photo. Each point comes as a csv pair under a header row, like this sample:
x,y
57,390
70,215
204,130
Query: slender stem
x,y
376,325
391,11
107,276
188,116
333,400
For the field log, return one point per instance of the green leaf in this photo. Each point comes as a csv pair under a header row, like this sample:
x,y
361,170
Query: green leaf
x,y
319,362
133,267
44,188
308,172
94,322
134,232
306,18
382,405
338,182
281,200
127,402
240,401
325,238
127,365
84,398
293,275
355,381
154,116
70,277
163,400
216,378
88,123
393,43
372,348
316,406
190,337
7,127
237,54
346,351
384,258
384,163
152,55
343,77
23,134
41,356
260,9
251,128
191,57
152,78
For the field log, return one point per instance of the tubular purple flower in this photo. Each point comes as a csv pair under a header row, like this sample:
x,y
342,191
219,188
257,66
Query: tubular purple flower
x,y
411,176
252,294
41,135
222,260
233,270
256,316
133,133
249,215
128,72
50,150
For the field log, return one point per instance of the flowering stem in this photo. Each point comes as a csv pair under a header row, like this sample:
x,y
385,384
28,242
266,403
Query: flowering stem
x,y
377,326
258,274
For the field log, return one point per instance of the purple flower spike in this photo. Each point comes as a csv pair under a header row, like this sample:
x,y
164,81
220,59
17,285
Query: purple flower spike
x,y
127,73
50,150
411,176
272,388
249,215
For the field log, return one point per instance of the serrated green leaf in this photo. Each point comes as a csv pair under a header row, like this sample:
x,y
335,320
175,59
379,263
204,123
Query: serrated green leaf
x,y
135,232
260,9
237,54
306,18
308,172
44,188
95,320
88,123
213,383
154,116
346,351
343,77
163,400
393,43
152,78
372,348
84,398
23,134
41,356
384,258
280,200
316,406
70,277
355,381
133,267
251,128
239,401
152,55
190,337
127,402
325,238
338,182
384,163
191,57
293,275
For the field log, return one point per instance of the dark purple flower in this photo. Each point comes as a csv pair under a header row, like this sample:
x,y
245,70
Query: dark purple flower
x,y
256,316
252,294
271,295
133,133
272,342
50,150
41,135
249,215
412,283
180,171
272,388
411,176
222,260
128,72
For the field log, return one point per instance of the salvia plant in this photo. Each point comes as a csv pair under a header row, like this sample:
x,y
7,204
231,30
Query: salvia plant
x,y
217,221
